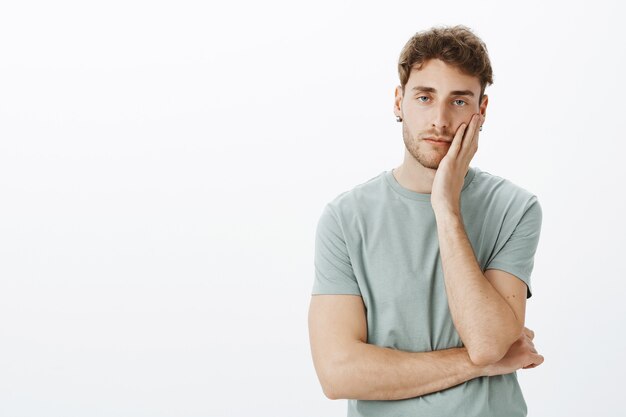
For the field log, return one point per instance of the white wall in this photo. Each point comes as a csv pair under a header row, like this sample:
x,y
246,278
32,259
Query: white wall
x,y
163,166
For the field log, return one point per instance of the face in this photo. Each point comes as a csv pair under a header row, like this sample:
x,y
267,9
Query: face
x,y
437,99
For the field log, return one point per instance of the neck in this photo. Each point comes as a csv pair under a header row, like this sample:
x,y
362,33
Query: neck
x,y
414,176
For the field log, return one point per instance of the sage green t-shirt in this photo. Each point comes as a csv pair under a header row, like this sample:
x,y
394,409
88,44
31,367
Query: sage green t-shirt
x,y
379,240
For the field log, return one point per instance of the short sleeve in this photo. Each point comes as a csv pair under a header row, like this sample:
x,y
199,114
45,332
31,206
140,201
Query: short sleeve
x,y
518,253
333,270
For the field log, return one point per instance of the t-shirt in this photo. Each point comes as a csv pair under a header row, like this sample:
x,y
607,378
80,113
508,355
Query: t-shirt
x,y
379,240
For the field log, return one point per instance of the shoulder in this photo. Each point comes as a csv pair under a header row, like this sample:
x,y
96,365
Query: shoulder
x,y
359,197
494,189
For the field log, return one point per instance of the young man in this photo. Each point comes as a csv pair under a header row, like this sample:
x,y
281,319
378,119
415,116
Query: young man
x,y
422,272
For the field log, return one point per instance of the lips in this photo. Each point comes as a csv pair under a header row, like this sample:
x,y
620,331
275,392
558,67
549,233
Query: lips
x,y
438,140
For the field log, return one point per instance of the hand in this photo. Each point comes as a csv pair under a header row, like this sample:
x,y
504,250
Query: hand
x,y
521,355
450,176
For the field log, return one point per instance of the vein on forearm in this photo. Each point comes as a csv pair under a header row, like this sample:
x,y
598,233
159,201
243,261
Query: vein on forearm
x,y
480,314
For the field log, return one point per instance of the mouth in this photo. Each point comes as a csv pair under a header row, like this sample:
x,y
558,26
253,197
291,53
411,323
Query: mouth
x,y
438,142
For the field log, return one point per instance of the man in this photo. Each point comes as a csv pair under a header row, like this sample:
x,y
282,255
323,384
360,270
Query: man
x,y
422,272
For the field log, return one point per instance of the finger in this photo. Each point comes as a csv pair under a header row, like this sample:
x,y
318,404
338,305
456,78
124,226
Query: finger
x,y
457,140
470,138
537,360
529,333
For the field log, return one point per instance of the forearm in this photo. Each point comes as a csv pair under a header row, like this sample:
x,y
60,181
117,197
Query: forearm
x,y
371,372
484,320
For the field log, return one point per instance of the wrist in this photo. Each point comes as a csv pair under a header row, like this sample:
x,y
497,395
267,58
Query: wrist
x,y
447,215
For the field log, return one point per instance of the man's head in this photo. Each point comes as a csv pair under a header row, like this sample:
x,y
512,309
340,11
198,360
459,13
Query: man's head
x,y
443,75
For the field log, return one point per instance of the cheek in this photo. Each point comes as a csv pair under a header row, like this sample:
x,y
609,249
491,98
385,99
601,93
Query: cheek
x,y
464,117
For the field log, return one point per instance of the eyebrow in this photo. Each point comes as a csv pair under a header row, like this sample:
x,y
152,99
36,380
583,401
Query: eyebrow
x,y
452,93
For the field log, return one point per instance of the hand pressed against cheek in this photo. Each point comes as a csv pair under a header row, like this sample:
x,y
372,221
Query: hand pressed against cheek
x,y
467,140
451,173
463,147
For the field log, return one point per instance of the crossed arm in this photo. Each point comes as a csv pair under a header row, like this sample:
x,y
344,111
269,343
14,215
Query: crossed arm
x,y
349,367
485,317
487,309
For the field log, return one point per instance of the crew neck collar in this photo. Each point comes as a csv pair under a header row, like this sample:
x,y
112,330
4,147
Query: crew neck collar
x,y
393,183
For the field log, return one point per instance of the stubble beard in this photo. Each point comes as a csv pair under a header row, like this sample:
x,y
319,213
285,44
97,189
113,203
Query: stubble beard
x,y
430,158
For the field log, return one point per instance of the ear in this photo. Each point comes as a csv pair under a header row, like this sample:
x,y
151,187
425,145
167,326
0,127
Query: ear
x,y
397,104
483,105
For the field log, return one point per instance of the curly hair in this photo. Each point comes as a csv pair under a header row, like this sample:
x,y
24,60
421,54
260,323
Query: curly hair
x,y
455,45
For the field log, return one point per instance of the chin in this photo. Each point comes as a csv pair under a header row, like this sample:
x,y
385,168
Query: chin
x,y
432,166
428,158
429,161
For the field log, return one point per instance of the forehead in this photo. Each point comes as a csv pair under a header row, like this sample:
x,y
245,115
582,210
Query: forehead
x,y
443,77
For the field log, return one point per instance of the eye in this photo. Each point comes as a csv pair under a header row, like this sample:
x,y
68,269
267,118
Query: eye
x,y
461,101
418,98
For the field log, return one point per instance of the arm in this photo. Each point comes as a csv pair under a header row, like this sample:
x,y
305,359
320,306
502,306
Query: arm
x,y
486,322
488,319
350,368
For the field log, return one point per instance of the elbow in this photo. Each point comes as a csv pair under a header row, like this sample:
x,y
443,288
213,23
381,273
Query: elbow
x,y
326,381
484,357
490,352
330,394
326,389
336,376
329,380
487,354
330,390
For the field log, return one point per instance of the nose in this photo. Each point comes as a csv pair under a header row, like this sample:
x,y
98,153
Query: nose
x,y
441,117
